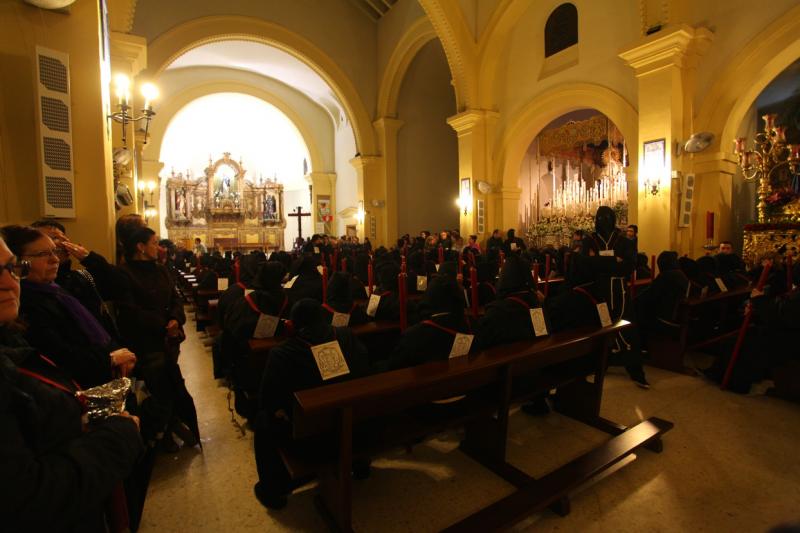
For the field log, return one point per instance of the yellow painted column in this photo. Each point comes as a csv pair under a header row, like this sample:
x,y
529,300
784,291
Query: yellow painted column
x,y
371,190
386,129
664,64
714,174
322,184
473,128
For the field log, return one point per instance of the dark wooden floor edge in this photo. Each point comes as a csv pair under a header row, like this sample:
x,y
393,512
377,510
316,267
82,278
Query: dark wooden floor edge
x,y
557,484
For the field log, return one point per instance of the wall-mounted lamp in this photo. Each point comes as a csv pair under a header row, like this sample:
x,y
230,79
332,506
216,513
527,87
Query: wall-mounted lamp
x,y
149,212
654,165
148,207
360,213
464,200
122,88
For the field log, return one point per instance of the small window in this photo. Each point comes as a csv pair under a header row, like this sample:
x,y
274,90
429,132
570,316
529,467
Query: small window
x,y
561,29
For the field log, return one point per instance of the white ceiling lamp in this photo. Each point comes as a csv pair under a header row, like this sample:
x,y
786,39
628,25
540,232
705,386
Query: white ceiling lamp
x,y
50,4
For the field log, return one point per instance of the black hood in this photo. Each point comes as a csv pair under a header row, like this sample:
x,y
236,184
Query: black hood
x,y
308,319
666,261
339,290
688,267
248,268
269,276
515,276
605,221
443,296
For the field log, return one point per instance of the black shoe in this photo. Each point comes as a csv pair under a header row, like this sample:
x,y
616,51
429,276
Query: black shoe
x,y
637,375
168,444
537,407
270,501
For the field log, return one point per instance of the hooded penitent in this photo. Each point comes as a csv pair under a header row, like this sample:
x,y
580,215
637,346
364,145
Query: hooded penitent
x,y
605,221
515,276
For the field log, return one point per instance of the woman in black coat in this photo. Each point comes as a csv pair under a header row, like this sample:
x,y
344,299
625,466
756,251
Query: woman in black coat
x,y
58,325
150,316
54,476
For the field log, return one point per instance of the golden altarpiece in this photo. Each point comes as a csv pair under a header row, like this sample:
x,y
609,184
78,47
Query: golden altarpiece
x,y
225,208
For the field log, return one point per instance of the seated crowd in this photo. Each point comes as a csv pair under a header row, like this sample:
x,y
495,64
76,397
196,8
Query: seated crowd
x,y
64,329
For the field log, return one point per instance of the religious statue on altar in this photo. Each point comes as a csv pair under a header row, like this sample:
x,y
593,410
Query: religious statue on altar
x,y
225,205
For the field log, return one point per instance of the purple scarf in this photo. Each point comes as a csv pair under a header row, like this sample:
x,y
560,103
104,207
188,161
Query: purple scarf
x,y
85,320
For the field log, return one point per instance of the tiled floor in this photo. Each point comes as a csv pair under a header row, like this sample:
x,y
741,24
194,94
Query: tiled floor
x,y
732,463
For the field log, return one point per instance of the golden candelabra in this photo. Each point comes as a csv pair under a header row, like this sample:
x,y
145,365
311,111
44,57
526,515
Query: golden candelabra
x,y
770,153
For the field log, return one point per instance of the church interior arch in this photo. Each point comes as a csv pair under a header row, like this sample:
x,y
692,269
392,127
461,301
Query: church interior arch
x,y
574,165
546,107
275,76
781,97
215,127
427,147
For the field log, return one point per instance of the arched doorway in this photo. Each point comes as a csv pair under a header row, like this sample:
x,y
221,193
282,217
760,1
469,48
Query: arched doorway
x,y
575,164
274,161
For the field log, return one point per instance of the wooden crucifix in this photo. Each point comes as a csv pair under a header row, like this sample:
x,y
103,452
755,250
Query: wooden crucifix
x,y
299,214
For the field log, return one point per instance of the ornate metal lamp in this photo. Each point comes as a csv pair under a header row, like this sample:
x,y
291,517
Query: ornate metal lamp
x,y
770,153
123,113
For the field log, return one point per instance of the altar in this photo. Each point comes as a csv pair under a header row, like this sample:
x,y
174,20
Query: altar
x,y
225,208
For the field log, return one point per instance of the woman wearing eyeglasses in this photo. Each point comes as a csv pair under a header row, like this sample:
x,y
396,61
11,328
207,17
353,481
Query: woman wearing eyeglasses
x,y
58,325
54,474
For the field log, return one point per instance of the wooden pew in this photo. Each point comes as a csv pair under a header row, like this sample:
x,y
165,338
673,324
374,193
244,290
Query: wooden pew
x,y
668,351
382,402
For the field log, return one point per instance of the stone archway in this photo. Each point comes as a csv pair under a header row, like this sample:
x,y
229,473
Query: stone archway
x,y
184,37
538,113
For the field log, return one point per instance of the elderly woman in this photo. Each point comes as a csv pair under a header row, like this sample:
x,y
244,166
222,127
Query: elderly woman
x,y
57,323
54,475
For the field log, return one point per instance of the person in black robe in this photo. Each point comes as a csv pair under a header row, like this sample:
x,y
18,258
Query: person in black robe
x,y
225,346
494,243
767,351
269,298
442,310
508,318
291,367
612,258
519,244
340,300
309,281
657,305
389,305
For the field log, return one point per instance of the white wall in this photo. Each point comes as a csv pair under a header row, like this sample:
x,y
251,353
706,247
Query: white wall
x,y
291,199
427,147
174,81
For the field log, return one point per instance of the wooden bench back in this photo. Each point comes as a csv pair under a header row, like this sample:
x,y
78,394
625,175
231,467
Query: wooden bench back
x,y
382,394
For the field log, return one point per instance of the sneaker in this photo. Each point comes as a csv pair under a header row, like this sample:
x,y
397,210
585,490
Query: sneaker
x,y
270,501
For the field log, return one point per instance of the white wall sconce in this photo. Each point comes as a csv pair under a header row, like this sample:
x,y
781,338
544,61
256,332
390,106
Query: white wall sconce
x,y
464,200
